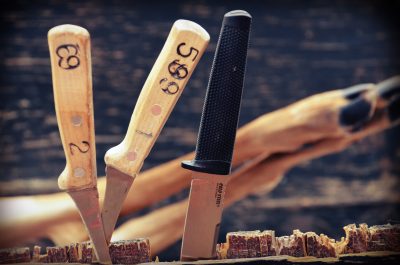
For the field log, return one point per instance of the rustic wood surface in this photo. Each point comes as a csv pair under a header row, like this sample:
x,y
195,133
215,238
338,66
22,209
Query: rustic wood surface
x,y
297,49
371,258
357,239
121,252
381,258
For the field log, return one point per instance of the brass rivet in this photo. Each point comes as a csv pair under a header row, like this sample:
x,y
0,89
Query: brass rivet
x,y
156,110
79,172
76,120
131,156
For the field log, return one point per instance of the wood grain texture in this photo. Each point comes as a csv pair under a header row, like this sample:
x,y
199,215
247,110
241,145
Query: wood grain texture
x,y
182,51
72,84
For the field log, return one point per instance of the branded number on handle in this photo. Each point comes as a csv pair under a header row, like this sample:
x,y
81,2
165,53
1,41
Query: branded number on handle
x,y
68,56
177,70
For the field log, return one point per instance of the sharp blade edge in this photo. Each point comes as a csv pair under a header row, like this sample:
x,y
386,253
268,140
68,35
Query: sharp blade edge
x,y
203,216
117,188
87,201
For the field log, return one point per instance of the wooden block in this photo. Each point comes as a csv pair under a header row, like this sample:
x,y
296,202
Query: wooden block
x,y
130,252
74,252
14,255
355,241
244,244
249,244
384,237
236,243
359,239
293,245
86,252
222,250
56,254
268,244
320,246
121,252
253,245
36,253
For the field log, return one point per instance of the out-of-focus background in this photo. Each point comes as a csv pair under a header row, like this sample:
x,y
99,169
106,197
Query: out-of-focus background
x,y
297,48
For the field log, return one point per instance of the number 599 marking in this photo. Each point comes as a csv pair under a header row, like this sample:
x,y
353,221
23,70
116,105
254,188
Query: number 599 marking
x,y
177,70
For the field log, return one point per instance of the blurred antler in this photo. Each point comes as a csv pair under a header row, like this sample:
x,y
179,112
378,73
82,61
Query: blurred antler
x,y
369,111
265,148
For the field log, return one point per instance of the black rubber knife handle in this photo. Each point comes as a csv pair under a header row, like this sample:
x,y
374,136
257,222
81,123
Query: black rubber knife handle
x,y
221,108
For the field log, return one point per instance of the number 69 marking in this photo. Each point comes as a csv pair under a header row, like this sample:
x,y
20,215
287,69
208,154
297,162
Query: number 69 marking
x,y
68,56
172,87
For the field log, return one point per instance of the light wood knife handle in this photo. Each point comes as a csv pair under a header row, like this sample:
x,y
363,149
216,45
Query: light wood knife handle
x,y
182,51
72,84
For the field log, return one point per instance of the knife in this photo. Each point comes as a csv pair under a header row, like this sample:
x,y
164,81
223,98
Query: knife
x,y
182,51
216,139
72,84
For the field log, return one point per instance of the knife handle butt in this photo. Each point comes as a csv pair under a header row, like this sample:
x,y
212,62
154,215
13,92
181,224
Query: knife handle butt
x,y
69,47
221,108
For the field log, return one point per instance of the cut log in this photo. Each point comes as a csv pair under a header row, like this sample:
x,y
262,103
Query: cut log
x,y
251,244
121,252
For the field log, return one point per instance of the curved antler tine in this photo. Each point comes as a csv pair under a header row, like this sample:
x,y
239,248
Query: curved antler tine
x,y
355,91
389,88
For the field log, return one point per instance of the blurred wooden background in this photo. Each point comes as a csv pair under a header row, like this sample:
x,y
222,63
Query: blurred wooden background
x,y
298,48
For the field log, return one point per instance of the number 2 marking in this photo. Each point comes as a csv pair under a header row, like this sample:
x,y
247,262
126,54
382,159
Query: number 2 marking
x,y
70,60
83,149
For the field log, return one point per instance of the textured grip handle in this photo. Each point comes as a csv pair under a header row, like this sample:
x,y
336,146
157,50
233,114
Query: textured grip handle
x,y
222,103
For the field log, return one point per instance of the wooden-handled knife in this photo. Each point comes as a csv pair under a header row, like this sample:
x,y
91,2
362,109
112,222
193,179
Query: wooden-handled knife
x,y
182,51
216,139
72,84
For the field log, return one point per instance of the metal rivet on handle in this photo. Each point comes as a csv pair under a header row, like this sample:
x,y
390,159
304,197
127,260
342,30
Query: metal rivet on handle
x,y
76,120
79,172
156,110
131,156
